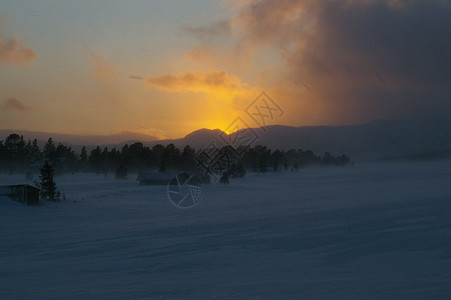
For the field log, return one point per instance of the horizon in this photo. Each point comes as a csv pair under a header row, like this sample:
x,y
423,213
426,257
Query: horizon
x,y
168,69
379,139
128,135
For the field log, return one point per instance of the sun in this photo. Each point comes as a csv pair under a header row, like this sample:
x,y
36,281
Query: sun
x,y
222,125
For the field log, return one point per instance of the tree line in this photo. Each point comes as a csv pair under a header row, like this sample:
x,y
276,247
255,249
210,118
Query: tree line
x,y
18,155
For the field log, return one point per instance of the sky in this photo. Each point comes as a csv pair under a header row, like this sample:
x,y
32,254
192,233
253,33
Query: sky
x,y
167,68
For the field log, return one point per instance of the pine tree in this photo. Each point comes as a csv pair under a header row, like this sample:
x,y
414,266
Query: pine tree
x,y
47,185
34,151
83,156
49,149
224,178
121,172
187,161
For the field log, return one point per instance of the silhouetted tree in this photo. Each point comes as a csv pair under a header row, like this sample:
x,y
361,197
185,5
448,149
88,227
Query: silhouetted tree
x,y
251,159
170,158
224,178
327,159
342,160
237,170
285,163
263,157
95,160
121,172
47,184
15,155
276,159
187,158
49,149
157,154
13,143
34,152
84,155
2,155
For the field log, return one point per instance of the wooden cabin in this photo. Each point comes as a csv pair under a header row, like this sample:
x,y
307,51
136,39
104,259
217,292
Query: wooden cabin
x,y
164,178
23,193
155,178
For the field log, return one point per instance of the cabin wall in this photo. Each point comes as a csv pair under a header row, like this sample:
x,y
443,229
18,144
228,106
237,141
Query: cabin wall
x,y
21,193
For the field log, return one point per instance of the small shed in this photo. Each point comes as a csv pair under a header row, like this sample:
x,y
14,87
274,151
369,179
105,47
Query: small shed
x,y
23,193
155,178
164,178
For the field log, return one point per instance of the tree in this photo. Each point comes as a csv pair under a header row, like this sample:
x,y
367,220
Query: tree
x,y
157,155
34,151
163,164
13,142
2,152
15,152
263,157
342,160
121,172
47,184
83,155
237,170
276,159
187,161
224,178
328,159
170,158
96,161
49,149
251,159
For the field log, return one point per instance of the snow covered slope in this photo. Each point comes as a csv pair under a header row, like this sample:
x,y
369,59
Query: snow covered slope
x,y
364,232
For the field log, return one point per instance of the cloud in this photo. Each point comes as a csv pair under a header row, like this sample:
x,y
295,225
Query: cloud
x,y
197,81
15,53
136,77
209,32
199,53
101,69
211,51
13,104
356,60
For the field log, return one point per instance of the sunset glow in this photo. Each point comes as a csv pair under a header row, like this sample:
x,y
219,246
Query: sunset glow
x,y
167,69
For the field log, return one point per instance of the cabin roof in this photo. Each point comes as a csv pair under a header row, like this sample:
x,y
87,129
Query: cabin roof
x,y
8,186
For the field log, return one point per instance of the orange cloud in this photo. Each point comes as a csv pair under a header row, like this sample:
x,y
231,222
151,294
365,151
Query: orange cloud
x,y
12,104
101,69
197,81
198,54
14,53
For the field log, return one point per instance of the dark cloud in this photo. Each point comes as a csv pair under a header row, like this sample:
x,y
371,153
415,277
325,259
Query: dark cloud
x,y
135,77
360,60
13,104
196,81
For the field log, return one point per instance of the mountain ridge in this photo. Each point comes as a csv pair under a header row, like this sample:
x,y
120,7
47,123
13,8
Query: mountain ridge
x,y
80,140
373,140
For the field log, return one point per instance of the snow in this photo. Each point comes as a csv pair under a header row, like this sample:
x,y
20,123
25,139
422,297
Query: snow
x,y
371,231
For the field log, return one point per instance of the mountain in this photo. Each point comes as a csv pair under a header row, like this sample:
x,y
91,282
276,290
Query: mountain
x,y
378,139
375,140
199,139
79,140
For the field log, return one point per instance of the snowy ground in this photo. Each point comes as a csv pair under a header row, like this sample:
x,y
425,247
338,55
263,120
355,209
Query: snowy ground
x,y
363,232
